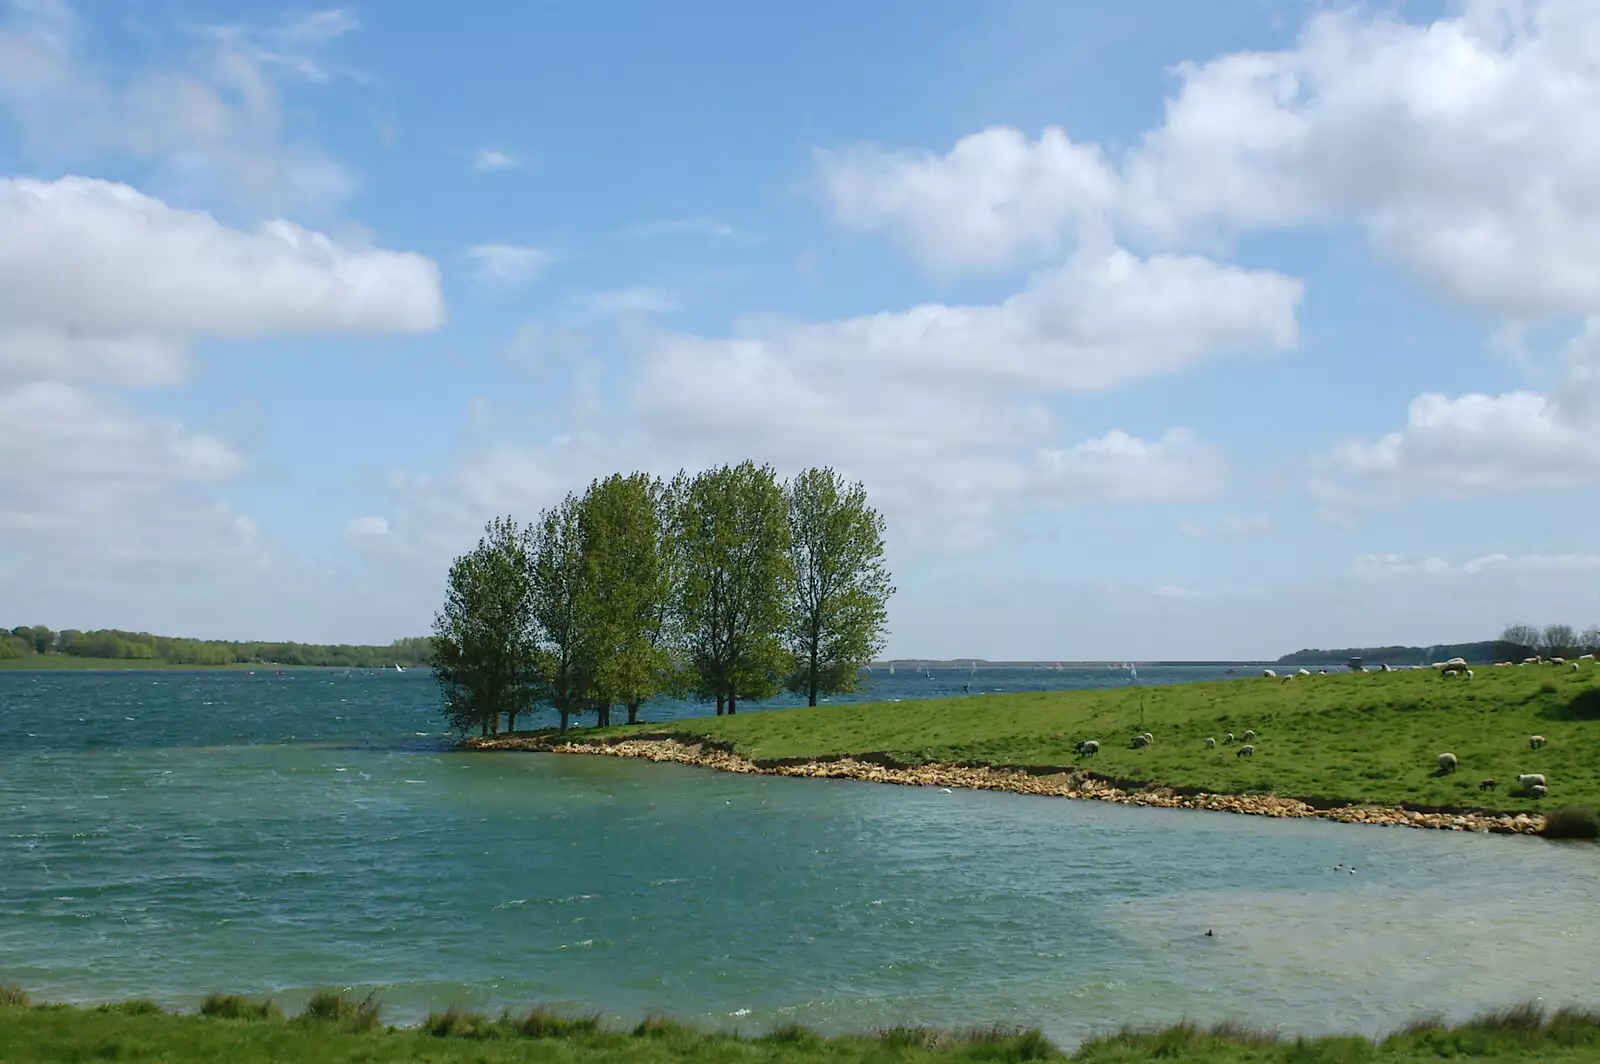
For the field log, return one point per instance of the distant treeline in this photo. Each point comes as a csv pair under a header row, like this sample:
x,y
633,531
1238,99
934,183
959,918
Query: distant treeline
x,y
1482,652
112,643
1517,642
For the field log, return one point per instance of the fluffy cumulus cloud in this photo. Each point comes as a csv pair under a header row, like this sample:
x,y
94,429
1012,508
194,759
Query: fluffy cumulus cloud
x,y
99,282
1462,147
1474,442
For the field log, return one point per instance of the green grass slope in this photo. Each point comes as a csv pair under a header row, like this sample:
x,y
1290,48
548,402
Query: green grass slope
x,y
336,1030
1352,737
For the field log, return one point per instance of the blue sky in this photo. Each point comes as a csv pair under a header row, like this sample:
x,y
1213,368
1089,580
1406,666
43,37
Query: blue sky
x,y
1156,330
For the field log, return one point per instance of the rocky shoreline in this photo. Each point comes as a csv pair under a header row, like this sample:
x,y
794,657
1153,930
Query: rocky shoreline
x,y
1060,783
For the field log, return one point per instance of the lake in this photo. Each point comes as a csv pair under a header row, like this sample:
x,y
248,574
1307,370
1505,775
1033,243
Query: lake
x,y
169,834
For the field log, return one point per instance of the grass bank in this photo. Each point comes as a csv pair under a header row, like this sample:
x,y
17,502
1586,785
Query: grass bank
x,y
334,1029
1346,739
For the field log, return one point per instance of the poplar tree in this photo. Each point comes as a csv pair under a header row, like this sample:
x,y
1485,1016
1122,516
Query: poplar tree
x,y
841,584
484,641
627,582
562,610
735,580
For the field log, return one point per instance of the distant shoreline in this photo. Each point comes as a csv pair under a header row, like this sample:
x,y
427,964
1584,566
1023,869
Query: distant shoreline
x,y
67,663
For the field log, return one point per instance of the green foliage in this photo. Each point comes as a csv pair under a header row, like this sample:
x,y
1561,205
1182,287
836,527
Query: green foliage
x,y
841,584
485,641
735,581
563,609
1353,737
1572,822
13,997
627,585
116,645
337,1008
239,1007
344,1032
1482,652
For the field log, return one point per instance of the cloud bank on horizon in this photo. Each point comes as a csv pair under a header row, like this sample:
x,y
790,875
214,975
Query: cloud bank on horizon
x,y
1145,351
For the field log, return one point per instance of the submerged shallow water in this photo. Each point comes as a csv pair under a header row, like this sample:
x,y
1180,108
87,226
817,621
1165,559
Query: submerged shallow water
x,y
170,834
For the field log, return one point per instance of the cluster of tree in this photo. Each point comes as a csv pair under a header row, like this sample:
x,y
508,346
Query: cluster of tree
x,y
723,586
1480,653
114,643
1520,641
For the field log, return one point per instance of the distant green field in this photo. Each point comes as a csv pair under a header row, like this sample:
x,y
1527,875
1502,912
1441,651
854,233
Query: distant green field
x,y
1351,737
345,1032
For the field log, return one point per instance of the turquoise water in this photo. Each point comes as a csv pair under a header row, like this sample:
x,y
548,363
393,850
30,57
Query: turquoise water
x,y
170,834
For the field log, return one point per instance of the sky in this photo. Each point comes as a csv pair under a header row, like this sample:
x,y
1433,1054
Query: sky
x,y
1156,330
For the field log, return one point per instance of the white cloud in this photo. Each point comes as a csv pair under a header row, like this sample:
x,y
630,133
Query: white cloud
x,y
1119,468
637,299
706,227
489,159
212,127
1475,442
100,282
994,198
1517,566
367,526
1462,147
508,265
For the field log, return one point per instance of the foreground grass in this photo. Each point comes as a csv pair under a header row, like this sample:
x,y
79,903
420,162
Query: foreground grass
x,y
1354,737
333,1028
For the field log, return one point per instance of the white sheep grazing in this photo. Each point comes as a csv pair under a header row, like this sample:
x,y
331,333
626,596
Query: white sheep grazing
x,y
1468,674
1211,744
1573,666
1250,733
1585,657
1269,674
1089,746
1140,742
1536,741
1246,751
1538,790
1303,672
1530,779
1287,678
1558,661
1447,762
1228,738
1151,739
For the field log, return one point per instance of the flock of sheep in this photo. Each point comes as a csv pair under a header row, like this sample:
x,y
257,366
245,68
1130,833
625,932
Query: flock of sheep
x,y
1529,784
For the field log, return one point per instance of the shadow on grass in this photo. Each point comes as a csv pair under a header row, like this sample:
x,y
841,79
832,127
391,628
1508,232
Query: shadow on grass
x,y
1585,705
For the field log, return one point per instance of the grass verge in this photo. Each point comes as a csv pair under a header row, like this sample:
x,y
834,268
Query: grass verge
x,y
335,1028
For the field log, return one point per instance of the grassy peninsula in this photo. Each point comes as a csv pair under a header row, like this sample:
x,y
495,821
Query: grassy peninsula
x,y
333,1029
1369,737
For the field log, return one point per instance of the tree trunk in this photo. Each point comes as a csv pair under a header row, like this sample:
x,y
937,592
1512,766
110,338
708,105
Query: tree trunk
x,y
494,723
511,722
605,716
811,681
633,712
721,704
732,703
565,714
483,726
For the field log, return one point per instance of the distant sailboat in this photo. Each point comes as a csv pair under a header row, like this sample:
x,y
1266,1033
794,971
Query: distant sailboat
x,y
397,667
891,668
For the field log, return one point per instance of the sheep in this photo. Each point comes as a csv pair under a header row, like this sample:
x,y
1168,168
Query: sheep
x,y
1488,785
1536,741
1538,790
1149,738
1211,744
1268,674
1447,762
1140,741
1088,746
1558,661
1573,666
1385,667
1228,738
1287,678
1448,668
1246,751
1535,660
1585,657
1303,672
1249,734
1530,779
1468,674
